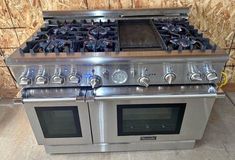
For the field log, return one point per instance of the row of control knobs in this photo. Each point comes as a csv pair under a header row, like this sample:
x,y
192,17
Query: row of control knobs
x,y
118,76
57,78
170,76
94,80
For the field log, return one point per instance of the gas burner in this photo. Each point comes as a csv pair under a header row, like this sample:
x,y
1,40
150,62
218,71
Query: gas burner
x,y
56,45
104,44
176,30
177,34
184,42
65,29
61,30
99,30
82,36
59,45
172,28
89,45
99,45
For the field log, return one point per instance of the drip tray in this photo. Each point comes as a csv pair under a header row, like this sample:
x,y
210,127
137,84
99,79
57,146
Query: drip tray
x,y
138,35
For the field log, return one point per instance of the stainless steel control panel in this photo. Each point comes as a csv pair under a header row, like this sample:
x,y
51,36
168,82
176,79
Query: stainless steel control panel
x,y
142,74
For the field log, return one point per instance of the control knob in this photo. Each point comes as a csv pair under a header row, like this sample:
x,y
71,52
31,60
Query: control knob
x,y
41,77
57,77
210,73
195,77
74,78
95,81
144,81
169,74
24,81
169,77
40,80
194,73
25,78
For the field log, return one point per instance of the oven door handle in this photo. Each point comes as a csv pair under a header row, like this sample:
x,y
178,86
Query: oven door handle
x,y
30,100
117,97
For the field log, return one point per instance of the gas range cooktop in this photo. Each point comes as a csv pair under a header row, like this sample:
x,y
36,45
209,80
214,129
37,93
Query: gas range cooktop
x,y
117,35
117,48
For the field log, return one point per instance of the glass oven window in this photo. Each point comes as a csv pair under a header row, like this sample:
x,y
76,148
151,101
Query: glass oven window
x,y
149,119
59,122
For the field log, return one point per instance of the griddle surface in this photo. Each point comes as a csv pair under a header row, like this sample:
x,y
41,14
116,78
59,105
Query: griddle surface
x,y
137,35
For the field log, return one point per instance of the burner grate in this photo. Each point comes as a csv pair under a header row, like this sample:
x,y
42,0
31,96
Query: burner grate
x,y
70,37
114,36
178,34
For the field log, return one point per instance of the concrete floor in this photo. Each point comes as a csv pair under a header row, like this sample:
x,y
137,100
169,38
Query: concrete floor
x,y
17,141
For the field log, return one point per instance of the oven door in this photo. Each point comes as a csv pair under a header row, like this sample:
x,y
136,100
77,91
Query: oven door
x,y
123,115
58,117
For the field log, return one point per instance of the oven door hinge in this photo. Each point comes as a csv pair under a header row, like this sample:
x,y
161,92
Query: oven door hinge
x,y
17,101
81,97
90,96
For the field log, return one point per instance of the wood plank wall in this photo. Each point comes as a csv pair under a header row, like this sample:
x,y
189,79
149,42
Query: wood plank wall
x,y
20,18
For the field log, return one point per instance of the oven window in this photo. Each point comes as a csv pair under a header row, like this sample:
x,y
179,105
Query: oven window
x,y
59,122
148,119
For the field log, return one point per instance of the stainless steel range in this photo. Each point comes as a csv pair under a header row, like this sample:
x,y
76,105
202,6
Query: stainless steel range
x,y
120,80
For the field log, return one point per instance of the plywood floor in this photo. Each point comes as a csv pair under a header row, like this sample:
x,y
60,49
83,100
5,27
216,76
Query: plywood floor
x,y
18,143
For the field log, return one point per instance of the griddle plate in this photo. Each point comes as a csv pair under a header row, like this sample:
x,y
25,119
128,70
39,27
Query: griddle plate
x,y
137,35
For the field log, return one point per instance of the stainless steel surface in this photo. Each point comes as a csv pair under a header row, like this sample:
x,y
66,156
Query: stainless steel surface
x,y
103,110
42,93
111,147
97,57
134,13
97,82
31,102
122,72
113,93
63,70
